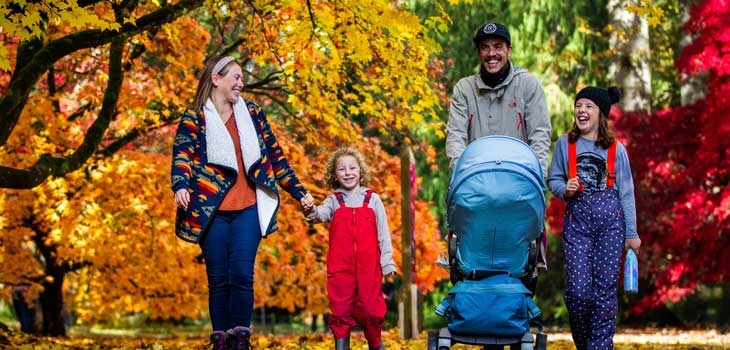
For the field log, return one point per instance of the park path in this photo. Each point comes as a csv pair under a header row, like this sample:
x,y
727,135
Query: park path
x,y
658,336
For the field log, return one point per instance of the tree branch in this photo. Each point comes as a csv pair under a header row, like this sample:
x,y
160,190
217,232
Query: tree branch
x,y
54,166
115,146
27,75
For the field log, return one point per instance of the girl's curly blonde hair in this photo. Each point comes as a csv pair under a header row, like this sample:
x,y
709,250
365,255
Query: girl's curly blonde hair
x,y
330,176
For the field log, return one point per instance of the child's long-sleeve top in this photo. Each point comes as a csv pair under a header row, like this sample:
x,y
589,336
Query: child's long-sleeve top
x,y
325,212
591,164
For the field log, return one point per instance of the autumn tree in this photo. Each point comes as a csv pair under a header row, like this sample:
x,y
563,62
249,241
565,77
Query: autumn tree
x,y
353,55
87,104
680,161
41,37
61,116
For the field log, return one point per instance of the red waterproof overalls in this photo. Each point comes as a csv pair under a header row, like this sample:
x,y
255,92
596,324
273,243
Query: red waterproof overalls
x,y
354,275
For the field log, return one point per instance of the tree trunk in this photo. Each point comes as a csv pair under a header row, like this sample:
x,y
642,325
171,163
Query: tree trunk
x,y
691,87
725,306
630,69
51,301
407,306
51,298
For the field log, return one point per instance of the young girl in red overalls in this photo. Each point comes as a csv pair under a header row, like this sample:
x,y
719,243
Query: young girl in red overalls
x,y
360,250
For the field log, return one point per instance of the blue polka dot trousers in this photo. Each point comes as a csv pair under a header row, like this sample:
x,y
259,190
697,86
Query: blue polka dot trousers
x,y
593,237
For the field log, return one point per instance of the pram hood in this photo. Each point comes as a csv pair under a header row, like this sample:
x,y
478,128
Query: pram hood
x,y
496,205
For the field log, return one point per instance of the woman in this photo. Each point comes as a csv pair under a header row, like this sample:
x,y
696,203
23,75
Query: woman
x,y
225,167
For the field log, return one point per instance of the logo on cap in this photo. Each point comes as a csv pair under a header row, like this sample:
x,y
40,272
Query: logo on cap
x,y
490,28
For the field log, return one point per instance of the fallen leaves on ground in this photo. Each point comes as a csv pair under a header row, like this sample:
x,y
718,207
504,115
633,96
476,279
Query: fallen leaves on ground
x,y
645,339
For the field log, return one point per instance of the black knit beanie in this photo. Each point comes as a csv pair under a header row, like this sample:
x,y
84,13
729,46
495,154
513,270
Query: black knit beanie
x,y
603,98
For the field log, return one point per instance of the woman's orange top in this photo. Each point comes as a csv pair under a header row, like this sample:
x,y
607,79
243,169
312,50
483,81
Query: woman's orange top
x,y
243,193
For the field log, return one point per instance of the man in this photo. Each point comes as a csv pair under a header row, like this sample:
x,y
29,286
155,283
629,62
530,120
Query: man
x,y
501,99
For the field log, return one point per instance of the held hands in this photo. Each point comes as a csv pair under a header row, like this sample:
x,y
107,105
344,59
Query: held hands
x,y
307,202
390,278
182,198
388,286
633,244
572,187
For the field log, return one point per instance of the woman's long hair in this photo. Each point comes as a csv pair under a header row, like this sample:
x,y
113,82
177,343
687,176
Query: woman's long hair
x,y
205,84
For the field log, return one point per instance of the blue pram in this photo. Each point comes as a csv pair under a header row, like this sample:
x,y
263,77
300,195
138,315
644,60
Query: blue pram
x,y
495,215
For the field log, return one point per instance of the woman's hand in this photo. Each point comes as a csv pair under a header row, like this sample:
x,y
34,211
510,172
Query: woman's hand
x,y
182,198
307,202
572,187
633,244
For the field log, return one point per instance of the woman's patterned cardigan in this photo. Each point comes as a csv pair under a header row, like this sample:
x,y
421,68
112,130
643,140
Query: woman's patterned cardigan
x,y
208,183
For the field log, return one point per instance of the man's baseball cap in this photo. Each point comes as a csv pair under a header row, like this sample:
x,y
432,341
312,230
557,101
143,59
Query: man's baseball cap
x,y
492,29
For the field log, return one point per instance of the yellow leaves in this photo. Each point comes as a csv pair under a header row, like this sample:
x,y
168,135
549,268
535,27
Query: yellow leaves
x,y
29,21
117,220
440,23
4,59
354,59
123,339
116,214
647,9
262,343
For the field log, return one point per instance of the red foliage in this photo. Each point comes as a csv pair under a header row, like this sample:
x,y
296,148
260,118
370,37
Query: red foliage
x,y
554,214
680,159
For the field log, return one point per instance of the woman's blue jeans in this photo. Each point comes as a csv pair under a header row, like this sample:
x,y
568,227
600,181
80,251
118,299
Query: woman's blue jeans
x,y
229,250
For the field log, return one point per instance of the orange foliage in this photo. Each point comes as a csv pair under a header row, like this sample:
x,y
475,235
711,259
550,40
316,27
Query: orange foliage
x,y
110,223
115,219
291,271
113,222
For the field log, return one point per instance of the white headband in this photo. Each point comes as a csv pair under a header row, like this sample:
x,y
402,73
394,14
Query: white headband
x,y
222,63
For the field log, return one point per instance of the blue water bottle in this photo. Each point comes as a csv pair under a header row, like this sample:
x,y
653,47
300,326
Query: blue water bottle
x,y
631,272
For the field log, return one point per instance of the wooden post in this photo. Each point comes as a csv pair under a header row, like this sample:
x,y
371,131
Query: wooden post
x,y
408,304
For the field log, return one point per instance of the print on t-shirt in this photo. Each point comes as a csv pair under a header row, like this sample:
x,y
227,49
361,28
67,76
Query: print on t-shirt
x,y
592,172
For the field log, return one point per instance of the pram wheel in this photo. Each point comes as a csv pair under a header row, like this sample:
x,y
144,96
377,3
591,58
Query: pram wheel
x,y
436,342
433,340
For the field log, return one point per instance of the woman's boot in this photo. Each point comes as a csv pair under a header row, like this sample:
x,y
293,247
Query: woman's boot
x,y
239,338
217,341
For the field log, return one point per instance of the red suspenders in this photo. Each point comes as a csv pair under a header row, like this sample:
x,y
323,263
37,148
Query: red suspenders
x,y
341,198
610,164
